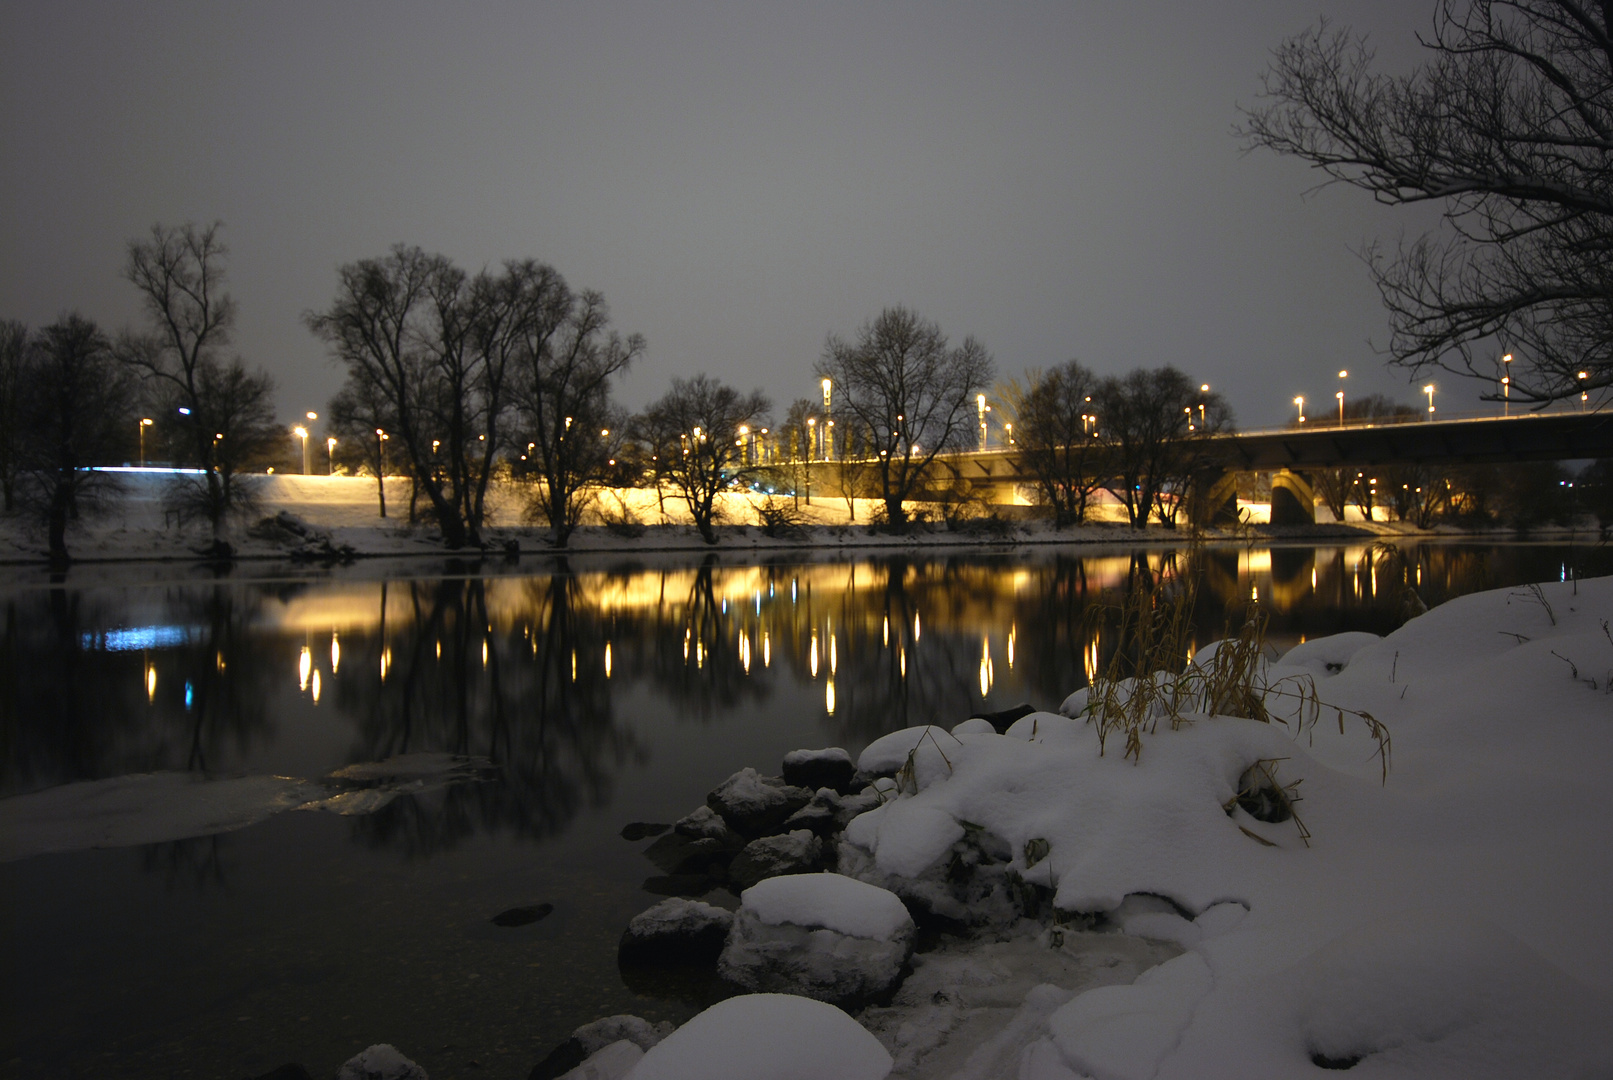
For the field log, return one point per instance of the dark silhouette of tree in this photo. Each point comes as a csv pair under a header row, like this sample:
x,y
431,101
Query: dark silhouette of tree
x,y
1154,435
216,414
74,398
1056,441
1509,127
694,433
360,414
13,353
566,423
909,392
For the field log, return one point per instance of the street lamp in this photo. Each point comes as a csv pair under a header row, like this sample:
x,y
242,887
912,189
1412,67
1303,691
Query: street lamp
x,y
1429,390
330,455
812,437
1300,401
1340,396
1583,396
980,407
145,422
380,451
828,428
1204,389
1506,384
302,433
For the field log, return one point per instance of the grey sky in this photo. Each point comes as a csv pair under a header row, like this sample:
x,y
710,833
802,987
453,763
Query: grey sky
x,y
738,179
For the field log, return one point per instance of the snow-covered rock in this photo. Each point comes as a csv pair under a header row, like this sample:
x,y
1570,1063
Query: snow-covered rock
x,y
380,1062
611,1062
675,931
755,805
889,754
706,824
975,725
814,769
821,935
767,1037
797,852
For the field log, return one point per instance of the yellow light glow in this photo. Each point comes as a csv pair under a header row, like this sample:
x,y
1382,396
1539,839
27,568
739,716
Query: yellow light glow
x,y
607,659
314,687
829,697
767,650
305,665
573,665
902,654
834,664
1010,646
386,663
699,655
484,652
744,652
813,654
151,683
916,627
885,634
985,666
335,653
439,649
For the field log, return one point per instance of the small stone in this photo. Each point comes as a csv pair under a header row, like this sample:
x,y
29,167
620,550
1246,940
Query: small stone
x,y
814,769
522,916
821,816
380,1062
675,931
705,823
639,830
797,852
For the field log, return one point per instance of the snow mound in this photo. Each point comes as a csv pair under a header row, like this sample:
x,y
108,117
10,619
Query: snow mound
x,y
889,753
1327,656
830,901
767,1037
610,1062
1046,727
380,1062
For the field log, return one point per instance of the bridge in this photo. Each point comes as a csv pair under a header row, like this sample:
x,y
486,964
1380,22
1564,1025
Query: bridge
x,y
1293,453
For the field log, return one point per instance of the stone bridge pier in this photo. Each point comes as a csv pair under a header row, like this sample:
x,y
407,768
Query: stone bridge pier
x,y
1293,498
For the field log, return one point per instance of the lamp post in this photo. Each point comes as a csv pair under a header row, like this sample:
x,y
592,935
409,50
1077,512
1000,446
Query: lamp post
x,y
145,422
380,452
980,408
1204,389
1429,390
1506,384
330,456
1300,401
828,426
302,433
1340,396
1583,395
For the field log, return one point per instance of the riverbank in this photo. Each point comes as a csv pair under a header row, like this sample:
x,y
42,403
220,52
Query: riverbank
x,y
339,518
1419,921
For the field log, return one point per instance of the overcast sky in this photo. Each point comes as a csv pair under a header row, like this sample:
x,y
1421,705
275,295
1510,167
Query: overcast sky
x,y
739,179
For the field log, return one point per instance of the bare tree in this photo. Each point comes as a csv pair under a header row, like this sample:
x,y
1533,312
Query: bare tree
x,y
180,275
1056,440
76,399
13,354
1154,425
567,357
441,348
694,433
360,414
902,383
1508,126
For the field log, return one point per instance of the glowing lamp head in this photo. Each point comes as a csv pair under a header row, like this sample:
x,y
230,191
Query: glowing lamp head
x,y
300,431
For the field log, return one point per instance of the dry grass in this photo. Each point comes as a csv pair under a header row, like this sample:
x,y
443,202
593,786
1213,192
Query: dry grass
x,y
1148,681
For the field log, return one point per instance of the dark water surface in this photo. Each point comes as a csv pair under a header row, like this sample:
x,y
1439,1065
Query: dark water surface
x,y
606,691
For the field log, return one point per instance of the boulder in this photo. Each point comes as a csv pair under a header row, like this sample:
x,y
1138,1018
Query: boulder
x,y
603,1050
821,936
797,852
675,931
755,805
380,1062
767,1037
678,855
814,769
821,816
1000,720
706,824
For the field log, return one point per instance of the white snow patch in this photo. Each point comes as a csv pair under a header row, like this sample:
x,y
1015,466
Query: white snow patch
x,y
767,1037
830,901
889,753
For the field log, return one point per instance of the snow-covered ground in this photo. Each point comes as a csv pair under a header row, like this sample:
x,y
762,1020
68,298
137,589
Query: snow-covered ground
x,y
1449,920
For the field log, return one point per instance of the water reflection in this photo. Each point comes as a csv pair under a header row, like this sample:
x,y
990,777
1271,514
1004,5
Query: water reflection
x,y
219,677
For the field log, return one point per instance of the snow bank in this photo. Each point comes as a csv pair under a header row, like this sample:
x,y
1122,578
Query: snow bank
x,y
767,1037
